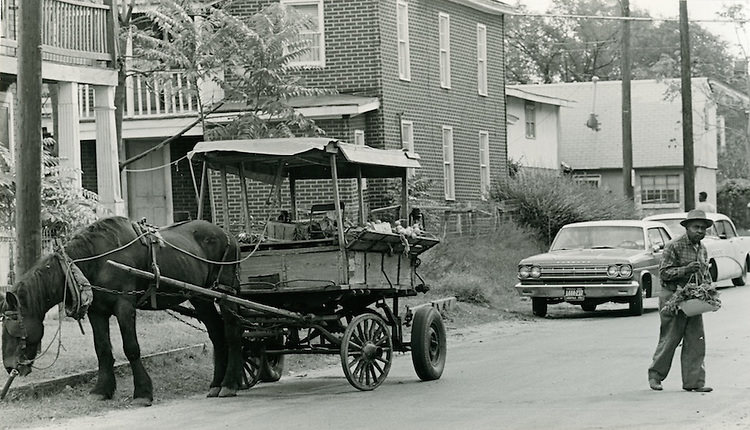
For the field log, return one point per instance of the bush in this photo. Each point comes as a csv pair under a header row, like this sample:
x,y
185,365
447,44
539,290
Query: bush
x,y
547,202
732,197
479,269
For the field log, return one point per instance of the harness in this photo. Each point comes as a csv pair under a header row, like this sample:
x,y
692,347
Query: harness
x,y
151,238
76,284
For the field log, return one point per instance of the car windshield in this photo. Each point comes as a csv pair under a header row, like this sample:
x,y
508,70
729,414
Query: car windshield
x,y
599,237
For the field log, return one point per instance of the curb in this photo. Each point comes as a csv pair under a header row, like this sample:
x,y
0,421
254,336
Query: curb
x,y
37,388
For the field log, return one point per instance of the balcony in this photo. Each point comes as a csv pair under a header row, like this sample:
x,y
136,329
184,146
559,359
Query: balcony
x,y
78,40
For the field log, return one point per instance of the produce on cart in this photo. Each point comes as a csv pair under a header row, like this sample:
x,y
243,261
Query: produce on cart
x,y
328,282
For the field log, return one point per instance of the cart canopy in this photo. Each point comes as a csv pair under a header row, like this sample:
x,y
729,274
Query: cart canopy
x,y
302,158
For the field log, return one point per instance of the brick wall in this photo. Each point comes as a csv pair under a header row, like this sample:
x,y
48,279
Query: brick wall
x,y
183,193
429,106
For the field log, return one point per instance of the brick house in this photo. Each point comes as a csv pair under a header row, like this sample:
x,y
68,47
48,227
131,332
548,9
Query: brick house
x,y
596,156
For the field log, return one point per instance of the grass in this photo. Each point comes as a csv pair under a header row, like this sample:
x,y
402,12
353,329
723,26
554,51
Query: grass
x,y
480,271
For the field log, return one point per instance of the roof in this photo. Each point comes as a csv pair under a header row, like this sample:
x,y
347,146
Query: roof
x,y
493,7
524,94
316,107
617,223
713,216
656,123
303,158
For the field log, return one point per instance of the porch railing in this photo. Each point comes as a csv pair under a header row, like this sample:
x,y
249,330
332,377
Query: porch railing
x,y
73,32
172,95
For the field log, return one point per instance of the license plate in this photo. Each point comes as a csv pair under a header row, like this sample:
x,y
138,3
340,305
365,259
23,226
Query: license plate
x,y
574,294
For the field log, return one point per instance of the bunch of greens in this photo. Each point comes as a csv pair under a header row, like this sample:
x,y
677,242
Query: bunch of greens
x,y
704,291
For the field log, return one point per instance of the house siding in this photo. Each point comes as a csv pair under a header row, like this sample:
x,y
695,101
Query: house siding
x,y
541,151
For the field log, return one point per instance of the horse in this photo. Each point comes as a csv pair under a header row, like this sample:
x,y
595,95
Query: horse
x,y
188,252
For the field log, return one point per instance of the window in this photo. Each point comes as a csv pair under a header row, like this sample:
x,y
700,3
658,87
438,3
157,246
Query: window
x,y
407,140
588,179
530,114
658,189
482,59
313,33
449,184
444,30
484,163
402,28
725,229
655,238
359,140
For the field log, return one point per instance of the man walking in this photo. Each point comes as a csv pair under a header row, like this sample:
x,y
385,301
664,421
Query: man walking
x,y
684,257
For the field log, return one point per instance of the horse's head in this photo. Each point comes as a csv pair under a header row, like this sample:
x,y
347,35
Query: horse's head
x,y
22,336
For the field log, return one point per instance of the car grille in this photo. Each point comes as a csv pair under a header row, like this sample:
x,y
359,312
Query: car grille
x,y
574,272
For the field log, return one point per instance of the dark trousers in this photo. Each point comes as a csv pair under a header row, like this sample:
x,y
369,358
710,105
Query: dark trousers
x,y
676,328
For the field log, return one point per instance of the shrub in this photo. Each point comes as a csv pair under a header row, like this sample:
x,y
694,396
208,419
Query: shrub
x,y
547,202
732,197
480,269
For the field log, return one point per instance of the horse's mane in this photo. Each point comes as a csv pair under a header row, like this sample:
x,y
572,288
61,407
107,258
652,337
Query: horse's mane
x,y
47,271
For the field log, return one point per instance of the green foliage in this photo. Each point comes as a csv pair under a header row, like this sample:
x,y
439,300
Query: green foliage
x,y
479,269
248,58
547,202
65,207
732,197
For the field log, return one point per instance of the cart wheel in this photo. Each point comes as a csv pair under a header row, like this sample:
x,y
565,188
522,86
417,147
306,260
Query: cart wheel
x,y
273,365
366,351
253,364
428,344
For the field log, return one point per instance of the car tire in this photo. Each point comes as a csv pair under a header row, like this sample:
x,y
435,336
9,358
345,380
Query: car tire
x,y
588,307
738,282
539,306
636,303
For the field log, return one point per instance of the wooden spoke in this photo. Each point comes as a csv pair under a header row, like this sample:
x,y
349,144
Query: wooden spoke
x,y
366,351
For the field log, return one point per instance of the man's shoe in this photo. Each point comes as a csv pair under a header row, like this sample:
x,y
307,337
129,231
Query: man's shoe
x,y
700,389
655,385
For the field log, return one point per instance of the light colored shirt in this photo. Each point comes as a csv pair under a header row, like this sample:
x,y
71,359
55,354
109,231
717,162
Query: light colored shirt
x,y
706,207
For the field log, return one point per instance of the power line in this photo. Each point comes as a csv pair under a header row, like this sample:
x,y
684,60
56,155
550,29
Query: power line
x,y
623,18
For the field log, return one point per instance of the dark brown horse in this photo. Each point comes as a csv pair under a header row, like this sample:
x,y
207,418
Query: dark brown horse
x,y
185,253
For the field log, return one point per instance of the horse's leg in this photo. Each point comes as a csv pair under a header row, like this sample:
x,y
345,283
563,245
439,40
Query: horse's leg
x,y
105,385
215,326
143,390
233,339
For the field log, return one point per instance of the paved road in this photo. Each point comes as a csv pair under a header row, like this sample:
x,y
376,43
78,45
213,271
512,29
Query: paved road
x,y
573,370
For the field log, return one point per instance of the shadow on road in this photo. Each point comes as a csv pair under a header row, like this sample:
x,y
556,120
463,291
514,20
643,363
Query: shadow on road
x,y
603,313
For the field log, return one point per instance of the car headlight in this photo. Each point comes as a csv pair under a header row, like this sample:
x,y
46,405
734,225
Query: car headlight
x,y
626,271
613,271
535,272
523,272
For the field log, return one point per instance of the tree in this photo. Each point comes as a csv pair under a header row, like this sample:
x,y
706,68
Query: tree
x,y
249,59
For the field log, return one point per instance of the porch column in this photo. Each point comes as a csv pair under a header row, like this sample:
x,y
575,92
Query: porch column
x,y
68,139
107,169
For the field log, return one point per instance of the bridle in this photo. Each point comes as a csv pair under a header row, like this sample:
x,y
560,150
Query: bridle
x,y
13,324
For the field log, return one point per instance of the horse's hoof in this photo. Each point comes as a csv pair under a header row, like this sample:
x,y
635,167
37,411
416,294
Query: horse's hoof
x,y
227,392
213,392
142,401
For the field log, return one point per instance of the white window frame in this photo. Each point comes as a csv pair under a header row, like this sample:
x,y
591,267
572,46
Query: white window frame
x,y
407,141
595,180
359,140
482,87
402,40
449,174
660,193
304,32
444,52
484,163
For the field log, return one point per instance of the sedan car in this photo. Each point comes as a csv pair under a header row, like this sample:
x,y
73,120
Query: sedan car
x,y
594,262
728,252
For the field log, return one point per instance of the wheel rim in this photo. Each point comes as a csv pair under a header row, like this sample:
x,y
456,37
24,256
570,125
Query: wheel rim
x,y
251,367
434,348
366,352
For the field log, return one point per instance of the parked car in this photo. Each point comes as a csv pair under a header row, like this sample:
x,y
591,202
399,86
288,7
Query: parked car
x,y
594,262
728,253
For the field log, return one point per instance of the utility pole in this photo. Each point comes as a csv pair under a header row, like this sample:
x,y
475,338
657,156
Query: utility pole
x,y
627,134
687,110
29,132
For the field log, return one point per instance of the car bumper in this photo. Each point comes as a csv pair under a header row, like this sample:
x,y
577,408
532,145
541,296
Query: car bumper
x,y
589,290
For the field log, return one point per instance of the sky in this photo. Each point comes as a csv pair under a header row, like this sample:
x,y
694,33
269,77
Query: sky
x,y
697,9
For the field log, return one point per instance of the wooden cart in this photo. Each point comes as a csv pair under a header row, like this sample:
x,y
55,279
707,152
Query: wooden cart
x,y
334,294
